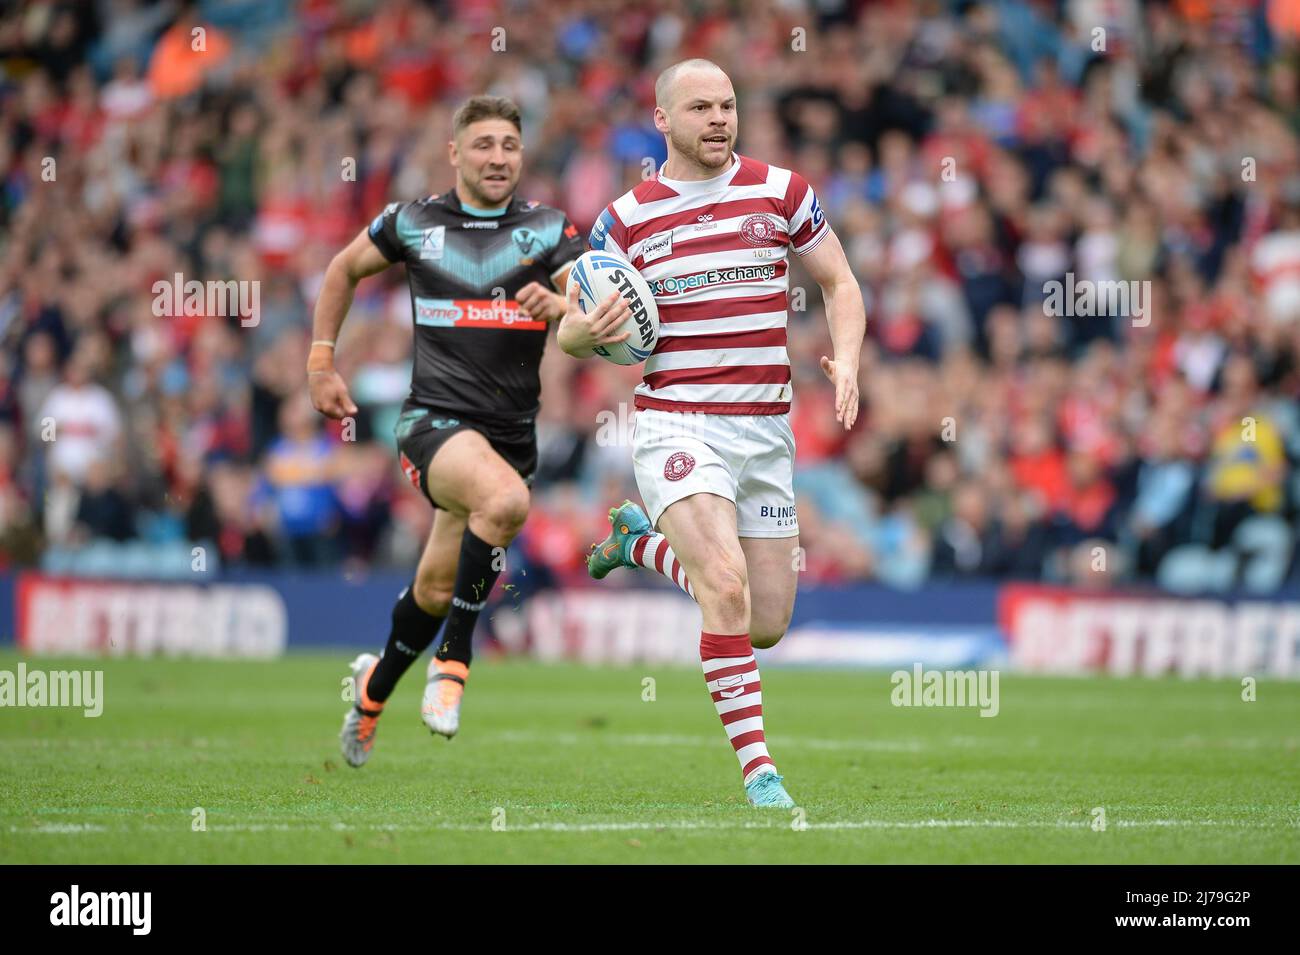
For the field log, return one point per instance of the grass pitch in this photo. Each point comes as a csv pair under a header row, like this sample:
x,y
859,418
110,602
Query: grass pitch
x,y
570,764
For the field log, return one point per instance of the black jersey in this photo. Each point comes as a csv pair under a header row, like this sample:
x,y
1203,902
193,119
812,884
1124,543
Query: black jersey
x,y
475,351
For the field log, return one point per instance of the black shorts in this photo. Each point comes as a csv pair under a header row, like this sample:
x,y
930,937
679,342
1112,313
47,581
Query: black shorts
x,y
422,430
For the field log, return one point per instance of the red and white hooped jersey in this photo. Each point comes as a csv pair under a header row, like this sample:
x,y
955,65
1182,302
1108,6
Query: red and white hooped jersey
x,y
714,254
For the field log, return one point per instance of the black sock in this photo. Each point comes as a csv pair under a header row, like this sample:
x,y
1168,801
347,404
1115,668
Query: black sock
x,y
413,631
476,574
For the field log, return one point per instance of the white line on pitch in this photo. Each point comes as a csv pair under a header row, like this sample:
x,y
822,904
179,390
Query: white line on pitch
x,y
663,825
670,739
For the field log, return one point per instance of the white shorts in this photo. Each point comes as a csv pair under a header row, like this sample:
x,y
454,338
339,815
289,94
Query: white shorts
x,y
748,459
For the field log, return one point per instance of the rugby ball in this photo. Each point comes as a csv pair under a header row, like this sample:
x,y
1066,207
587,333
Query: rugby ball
x,y
599,273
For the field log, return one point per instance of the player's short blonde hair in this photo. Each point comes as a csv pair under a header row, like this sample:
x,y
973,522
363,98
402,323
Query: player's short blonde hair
x,y
485,107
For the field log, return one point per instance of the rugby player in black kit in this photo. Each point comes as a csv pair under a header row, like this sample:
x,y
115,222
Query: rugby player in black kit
x,y
483,267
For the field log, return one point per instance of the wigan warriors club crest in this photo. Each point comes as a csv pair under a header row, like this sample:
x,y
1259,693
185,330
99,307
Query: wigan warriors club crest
x,y
678,466
758,229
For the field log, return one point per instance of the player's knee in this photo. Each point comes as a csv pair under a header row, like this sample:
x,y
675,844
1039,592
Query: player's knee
x,y
769,621
766,636
432,597
507,509
724,585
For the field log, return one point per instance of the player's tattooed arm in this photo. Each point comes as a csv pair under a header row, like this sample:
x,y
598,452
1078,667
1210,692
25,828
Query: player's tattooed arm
x,y
579,332
847,318
329,393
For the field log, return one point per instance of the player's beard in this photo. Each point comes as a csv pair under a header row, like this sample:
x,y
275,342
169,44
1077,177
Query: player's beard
x,y
693,150
478,196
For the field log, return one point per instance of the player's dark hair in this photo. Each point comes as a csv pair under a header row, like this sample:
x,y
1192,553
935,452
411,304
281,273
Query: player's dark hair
x,y
485,107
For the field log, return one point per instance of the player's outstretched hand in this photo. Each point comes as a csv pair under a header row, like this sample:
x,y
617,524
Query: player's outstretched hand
x,y
579,331
540,303
846,390
329,395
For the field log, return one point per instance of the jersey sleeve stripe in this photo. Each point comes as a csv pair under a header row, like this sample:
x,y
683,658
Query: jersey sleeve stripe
x,y
812,243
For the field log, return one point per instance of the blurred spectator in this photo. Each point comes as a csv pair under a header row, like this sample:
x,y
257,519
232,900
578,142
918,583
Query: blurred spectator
x,y
1247,461
966,545
102,510
1165,486
298,487
79,421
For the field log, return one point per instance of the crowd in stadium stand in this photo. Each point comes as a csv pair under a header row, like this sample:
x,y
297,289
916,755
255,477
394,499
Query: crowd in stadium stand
x,y
969,155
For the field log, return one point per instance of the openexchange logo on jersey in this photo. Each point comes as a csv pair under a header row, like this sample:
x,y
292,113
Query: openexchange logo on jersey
x,y
676,285
103,908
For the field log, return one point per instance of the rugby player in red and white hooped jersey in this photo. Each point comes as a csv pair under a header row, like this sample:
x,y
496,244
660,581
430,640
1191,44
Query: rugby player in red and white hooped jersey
x,y
713,449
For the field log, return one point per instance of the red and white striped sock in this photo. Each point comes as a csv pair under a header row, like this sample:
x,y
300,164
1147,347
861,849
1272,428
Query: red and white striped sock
x,y
653,552
732,675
